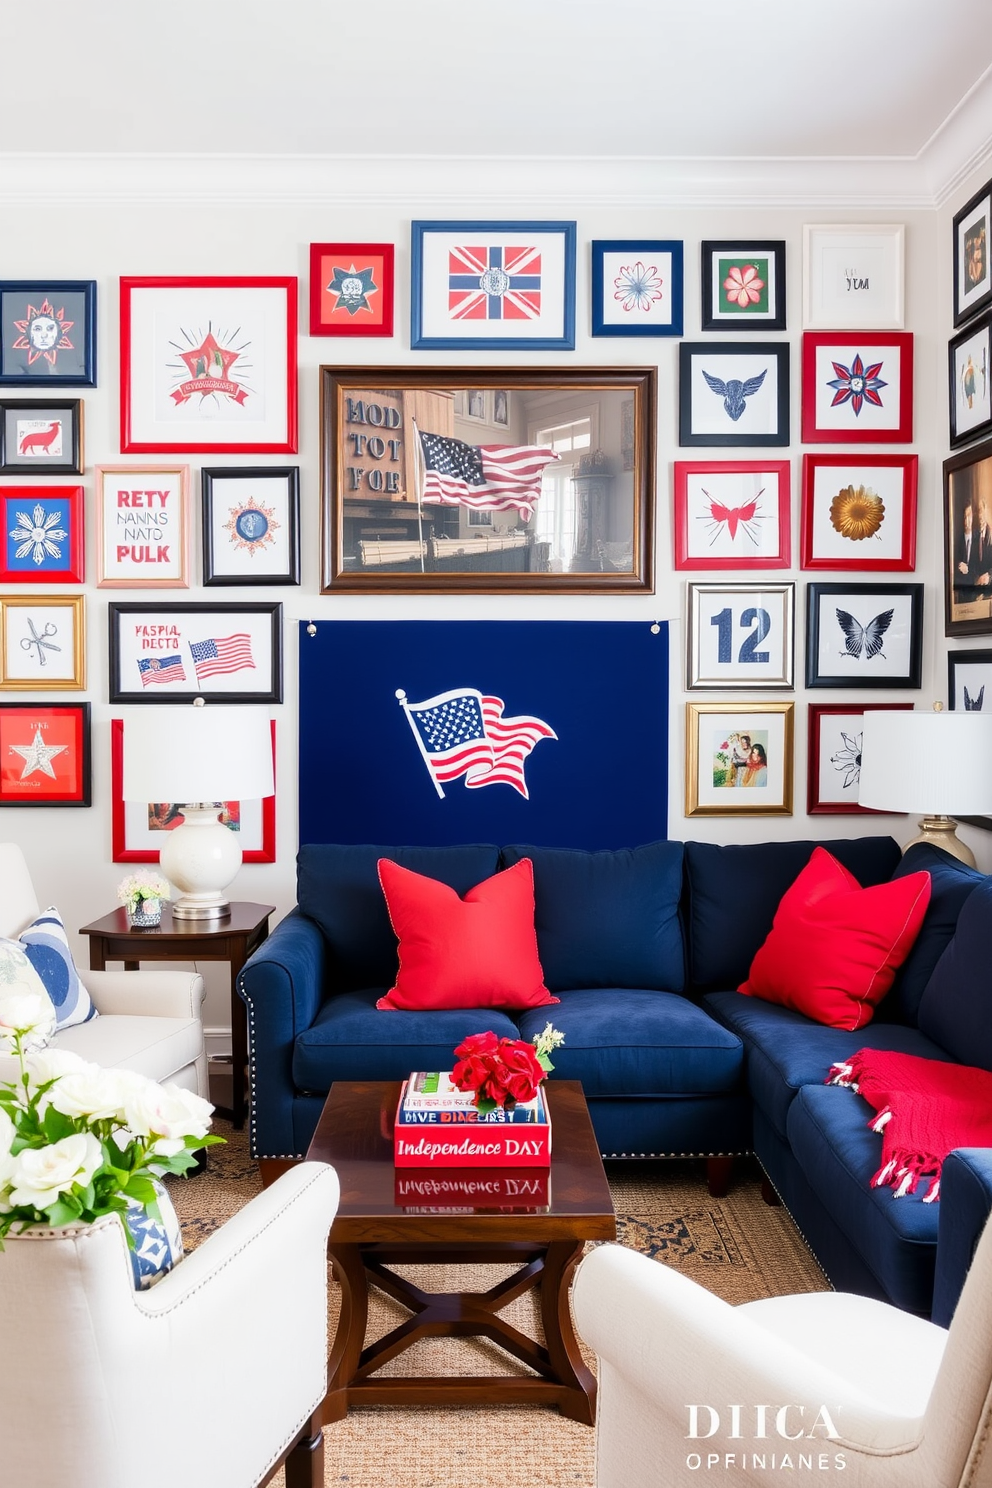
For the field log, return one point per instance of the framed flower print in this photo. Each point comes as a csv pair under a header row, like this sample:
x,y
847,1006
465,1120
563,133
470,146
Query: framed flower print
x,y
743,286
739,635
733,393
142,523
42,643
636,288
48,333
834,735
41,436
251,525
45,754
732,514
969,382
42,535
859,512
857,387
739,759
864,635
351,289
972,279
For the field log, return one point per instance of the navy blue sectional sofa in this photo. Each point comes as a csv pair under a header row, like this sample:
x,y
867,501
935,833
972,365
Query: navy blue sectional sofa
x,y
645,948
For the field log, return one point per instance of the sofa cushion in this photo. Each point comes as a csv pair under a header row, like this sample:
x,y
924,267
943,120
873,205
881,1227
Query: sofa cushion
x,y
338,887
951,882
608,919
733,893
634,1042
156,1047
956,1007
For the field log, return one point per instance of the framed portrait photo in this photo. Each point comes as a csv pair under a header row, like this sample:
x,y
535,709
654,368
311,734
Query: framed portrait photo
x,y
857,388
834,735
42,535
251,525
739,760
142,526
41,436
48,332
45,754
483,286
732,514
173,653
351,289
208,365
740,635
969,370
743,286
733,393
864,635
972,281
968,542
636,287
859,513
42,643
853,275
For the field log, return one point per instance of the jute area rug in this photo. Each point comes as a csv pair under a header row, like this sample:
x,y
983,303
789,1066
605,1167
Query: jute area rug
x,y
738,1247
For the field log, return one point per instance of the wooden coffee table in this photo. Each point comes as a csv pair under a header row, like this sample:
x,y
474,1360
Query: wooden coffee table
x,y
372,1233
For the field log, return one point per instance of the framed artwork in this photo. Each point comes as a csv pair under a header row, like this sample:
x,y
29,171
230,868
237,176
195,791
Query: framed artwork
x,y
833,774
251,525
864,635
853,276
137,826
501,408
733,393
740,635
351,289
859,513
208,365
42,643
48,332
857,389
732,514
41,436
968,542
969,681
172,653
45,754
743,285
485,286
969,366
972,282
407,469
42,535
636,287
738,760
142,526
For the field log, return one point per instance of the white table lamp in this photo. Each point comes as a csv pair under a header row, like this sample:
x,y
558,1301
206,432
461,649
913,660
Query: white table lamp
x,y
196,757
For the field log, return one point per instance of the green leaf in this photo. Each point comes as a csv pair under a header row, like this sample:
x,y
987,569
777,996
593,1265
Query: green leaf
x,y
140,1188
545,1063
484,1105
63,1212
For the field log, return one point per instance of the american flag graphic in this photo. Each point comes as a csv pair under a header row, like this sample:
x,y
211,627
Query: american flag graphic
x,y
227,654
464,733
168,669
491,477
495,282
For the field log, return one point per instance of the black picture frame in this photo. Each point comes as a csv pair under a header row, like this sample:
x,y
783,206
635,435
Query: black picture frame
x,y
742,320
968,486
733,364
957,662
972,231
45,410
165,632
865,598
42,715
969,384
26,358
243,559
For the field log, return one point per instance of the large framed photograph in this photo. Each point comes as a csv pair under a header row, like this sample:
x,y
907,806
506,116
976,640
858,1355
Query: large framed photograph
x,y
636,287
173,653
732,514
493,286
738,759
968,542
733,393
137,827
351,289
859,512
857,389
969,368
142,526
420,495
251,525
208,365
42,534
740,635
853,276
45,754
42,643
743,286
41,436
834,735
864,635
48,332
972,281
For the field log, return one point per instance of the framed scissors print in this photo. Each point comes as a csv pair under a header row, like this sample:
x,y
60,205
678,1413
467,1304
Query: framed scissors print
x,y
42,643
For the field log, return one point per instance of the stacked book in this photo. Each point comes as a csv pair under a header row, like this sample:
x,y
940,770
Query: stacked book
x,y
438,1126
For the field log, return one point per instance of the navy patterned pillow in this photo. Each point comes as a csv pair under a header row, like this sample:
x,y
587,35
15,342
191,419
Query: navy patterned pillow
x,y
46,946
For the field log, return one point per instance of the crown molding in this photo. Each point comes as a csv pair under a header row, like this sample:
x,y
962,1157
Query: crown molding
x,y
962,145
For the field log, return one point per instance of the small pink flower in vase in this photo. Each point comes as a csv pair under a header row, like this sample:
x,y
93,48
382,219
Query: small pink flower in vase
x,y
502,1071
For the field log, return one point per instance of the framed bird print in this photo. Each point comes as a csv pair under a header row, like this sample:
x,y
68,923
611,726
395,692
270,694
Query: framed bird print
x,y
864,635
834,736
732,514
859,512
857,387
739,635
733,393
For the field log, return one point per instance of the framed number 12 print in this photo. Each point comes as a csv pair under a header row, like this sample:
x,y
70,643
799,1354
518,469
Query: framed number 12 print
x,y
740,635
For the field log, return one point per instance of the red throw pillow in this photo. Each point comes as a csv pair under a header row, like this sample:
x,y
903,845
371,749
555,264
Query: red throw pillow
x,y
480,951
834,947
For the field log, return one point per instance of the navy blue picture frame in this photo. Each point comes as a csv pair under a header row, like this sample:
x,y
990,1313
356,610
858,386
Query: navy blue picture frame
x,y
642,247
16,295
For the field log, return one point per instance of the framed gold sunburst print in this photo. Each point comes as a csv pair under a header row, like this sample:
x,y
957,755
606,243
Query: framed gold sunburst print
x,y
859,512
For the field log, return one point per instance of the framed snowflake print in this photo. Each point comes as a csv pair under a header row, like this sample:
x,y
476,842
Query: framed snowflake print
x,y
857,388
48,332
41,436
42,535
738,759
972,279
45,754
739,635
733,393
636,288
484,286
969,371
732,514
853,275
208,365
833,772
351,289
251,525
743,286
42,643
859,512
142,525
864,635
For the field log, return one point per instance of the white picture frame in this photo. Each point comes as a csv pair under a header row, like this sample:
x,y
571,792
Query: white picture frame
x,y
740,636
853,276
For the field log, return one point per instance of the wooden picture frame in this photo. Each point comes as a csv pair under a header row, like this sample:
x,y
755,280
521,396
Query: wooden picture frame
x,y
45,754
740,636
969,382
857,387
743,285
854,276
42,643
142,526
637,287
351,289
864,635
859,512
251,524
173,653
41,436
968,541
48,333
732,514
739,759
42,535
832,777
733,393
972,229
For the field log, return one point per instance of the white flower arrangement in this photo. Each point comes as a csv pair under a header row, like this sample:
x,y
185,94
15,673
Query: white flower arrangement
x,y
139,886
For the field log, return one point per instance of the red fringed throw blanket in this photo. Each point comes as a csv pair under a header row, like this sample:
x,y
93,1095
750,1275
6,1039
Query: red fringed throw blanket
x,y
925,1109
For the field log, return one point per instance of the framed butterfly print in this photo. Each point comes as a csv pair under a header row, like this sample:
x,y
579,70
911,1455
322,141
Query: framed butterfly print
x,y
969,681
859,512
739,635
864,635
833,774
857,387
732,514
733,393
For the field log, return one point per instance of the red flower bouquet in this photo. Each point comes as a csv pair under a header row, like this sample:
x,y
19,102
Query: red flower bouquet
x,y
502,1071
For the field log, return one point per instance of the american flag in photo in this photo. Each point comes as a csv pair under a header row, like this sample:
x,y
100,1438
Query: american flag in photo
x,y
167,669
490,477
495,282
464,733
218,656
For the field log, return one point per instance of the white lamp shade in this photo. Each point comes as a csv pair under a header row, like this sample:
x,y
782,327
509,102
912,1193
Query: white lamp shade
x,y
936,764
197,754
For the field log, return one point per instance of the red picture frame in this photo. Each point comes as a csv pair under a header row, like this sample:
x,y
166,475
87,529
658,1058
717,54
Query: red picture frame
x,y
367,310
60,526
857,387
817,712
721,525
125,849
863,517
45,754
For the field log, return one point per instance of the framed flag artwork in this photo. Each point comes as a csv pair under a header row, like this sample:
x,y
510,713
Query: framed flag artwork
x,y
743,286
42,534
251,525
864,635
733,393
483,286
738,759
41,436
636,288
859,512
857,387
732,514
42,643
172,653
142,526
351,289
45,754
48,332
972,278
833,773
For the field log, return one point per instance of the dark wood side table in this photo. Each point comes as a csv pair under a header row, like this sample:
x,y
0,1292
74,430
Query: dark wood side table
x,y
232,939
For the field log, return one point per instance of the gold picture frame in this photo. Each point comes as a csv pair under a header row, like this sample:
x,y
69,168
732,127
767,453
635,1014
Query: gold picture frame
x,y
42,643
739,759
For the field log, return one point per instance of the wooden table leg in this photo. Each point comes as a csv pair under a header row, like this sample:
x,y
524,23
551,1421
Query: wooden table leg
x,y
559,1336
349,1269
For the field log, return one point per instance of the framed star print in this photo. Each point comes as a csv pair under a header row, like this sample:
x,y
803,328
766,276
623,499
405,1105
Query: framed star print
x,y
142,524
859,512
743,286
208,365
834,771
44,754
857,387
251,525
48,332
636,288
41,436
733,393
42,643
351,289
42,535
732,514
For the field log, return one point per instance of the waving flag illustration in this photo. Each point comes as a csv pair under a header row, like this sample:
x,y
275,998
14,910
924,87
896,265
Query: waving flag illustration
x,y
154,670
464,733
219,655
498,282
493,477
